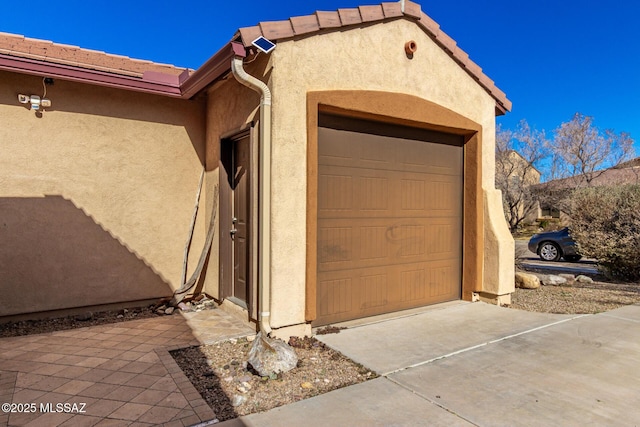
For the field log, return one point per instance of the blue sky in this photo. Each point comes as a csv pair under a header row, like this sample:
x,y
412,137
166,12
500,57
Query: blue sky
x,y
552,58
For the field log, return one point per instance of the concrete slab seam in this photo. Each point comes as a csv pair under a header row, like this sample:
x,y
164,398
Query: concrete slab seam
x,y
620,318
464,350
439,405
528,331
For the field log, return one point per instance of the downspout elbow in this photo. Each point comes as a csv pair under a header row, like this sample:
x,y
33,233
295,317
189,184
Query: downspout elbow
x,y
251,82
264,256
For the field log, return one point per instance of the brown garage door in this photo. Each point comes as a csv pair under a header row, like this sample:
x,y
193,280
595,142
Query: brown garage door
x,y
389,219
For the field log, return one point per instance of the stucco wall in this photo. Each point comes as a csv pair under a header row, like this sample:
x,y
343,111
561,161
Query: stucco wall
x,y
96,196
231,108
371,58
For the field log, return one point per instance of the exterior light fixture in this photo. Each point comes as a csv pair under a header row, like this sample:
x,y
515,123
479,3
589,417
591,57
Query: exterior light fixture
x,y
35,102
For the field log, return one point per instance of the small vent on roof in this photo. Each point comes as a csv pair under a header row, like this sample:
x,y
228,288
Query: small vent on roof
x,y
263,44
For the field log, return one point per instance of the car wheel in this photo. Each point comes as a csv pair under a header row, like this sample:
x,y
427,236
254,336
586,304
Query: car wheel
x,y
549,251
573,258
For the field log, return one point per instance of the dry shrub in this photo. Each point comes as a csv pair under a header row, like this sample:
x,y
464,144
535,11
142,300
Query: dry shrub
x,y
520,253
606,226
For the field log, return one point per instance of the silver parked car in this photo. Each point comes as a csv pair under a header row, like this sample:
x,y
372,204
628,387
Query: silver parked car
x,y
553,245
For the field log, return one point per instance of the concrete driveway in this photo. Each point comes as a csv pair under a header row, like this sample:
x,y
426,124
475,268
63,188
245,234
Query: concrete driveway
x,y
473,364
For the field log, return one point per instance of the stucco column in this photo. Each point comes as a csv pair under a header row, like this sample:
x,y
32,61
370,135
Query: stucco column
x,y
499,252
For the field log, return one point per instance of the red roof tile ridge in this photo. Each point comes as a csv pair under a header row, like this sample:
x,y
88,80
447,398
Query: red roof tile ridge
x,y
41,41
72,63
11,35
462,58
321,20
46,50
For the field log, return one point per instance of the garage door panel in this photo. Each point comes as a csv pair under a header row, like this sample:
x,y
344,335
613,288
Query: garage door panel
x,y
352,149
385,241
335,296
341,186
369,291
434,159
389,224
366,193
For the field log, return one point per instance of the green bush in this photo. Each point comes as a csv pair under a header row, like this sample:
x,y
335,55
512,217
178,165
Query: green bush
x,y
606,226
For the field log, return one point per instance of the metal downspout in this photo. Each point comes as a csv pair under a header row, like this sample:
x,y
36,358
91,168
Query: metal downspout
x,y
264,256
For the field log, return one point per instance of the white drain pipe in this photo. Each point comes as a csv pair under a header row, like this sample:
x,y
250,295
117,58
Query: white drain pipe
x,y
264,239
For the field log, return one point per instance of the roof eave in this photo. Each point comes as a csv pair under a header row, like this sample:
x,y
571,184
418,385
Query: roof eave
x,y
184,86
149,83
214,68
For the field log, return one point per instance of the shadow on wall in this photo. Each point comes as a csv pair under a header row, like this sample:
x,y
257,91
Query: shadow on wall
x,y
54,256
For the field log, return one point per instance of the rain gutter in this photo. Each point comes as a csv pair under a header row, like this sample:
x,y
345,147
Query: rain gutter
x,y
211,70
183,86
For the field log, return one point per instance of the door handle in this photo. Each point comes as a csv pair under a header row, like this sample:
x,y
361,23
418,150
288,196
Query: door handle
x,y
233,231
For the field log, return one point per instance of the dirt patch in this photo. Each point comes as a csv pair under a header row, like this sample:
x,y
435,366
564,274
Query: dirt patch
x,y
40,326
220,374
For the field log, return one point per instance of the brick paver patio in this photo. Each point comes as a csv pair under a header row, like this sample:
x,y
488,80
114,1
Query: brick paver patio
x,y
110,375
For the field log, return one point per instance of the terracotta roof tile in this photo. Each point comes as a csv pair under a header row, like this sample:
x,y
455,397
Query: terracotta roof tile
x,y
249,34
495,91
446,42
392,10
328,19
429,24
45,50
349,17
365,14
305,24
277,29
461,56
9,36
487,82
473,69
371,13
412,9
39,49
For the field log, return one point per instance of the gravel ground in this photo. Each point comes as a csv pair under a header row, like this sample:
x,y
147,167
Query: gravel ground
x,y
221,375
576,298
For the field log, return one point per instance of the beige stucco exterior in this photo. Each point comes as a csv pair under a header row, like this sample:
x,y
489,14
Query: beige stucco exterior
x,y
371,58
96,196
